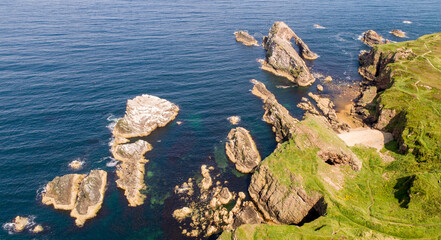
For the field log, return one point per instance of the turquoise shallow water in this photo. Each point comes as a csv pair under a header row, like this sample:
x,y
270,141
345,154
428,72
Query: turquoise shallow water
x,y
68,67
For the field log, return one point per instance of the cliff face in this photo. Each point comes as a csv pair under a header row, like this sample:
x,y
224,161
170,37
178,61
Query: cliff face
x,y
282,59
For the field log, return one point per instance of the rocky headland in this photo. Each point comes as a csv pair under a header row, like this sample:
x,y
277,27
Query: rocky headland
x,y
242,150
143,115
245,38
78,193
282,59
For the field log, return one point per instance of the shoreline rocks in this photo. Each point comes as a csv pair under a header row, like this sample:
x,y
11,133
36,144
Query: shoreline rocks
x,y
143,115
81,194
398,33
242,150
282,59
245,38
372,38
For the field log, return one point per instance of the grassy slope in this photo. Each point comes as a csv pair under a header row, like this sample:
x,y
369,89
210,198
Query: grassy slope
x,y
422,106
401,199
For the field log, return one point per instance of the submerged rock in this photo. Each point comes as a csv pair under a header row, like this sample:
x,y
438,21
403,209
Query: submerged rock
x,y
90,196
242,150
234,120
372,38
275,114
398,33
77,192
143,115
282,59
76,164
245,38
131,170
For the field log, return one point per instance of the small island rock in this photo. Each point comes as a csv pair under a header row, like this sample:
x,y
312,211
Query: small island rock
x,y
372,38
398,33
245,38
37,229
242,150
20,223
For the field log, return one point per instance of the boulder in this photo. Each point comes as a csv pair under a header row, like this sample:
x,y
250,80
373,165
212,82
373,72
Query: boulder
x,y
275,114
90,196
207,180
372,38
282,59
20,223
320,88
245,38
225,196
37,229
182,213
398,33
242,150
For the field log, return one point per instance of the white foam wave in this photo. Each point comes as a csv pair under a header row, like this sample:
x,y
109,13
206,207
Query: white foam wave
x,y
319,27
282,86
112,163
39,192
407,22
113,120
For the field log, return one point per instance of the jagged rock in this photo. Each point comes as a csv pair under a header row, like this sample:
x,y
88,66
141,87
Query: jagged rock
x,y
275,114
90,196
225,196
207,180
308,106
211,230
181,214
245,38
282,59
320,88
131,170
62,191
234,120
279,203
37,229
398,33
372,38
77,192
327,107
20,223
143,115
248,215
242,195
373,65
242,150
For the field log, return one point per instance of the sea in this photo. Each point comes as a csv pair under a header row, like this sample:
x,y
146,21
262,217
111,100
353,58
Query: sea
x,y
68,67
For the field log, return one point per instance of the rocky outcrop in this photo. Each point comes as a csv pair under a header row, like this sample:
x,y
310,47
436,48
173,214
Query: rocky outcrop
x,y
144,114
326,106
81,194
245,38
242,150
275,114
282,59
398,33
131,170
90,196
20,223
306,105
248,215
282,204
372,38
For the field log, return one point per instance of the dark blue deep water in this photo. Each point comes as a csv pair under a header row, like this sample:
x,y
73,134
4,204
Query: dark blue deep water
x,y
68,67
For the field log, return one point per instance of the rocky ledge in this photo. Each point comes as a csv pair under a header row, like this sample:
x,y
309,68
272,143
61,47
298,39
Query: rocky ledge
x,y
245,38
372,38
282,59
275,114
81,194
143,115
242,150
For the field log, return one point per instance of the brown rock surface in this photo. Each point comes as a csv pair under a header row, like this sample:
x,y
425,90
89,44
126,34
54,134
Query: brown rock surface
x,y
275,114
90,196
282,59
245,38
372,38
20,223
62,191
242,150
398,33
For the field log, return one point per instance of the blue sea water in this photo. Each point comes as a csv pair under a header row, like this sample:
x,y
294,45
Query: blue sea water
x,y
68,67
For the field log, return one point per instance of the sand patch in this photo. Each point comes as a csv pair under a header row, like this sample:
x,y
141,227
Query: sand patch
x,y
367,137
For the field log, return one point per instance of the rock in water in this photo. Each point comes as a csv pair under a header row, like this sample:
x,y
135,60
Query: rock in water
x,y
83,195
234,120
62,191
372,38
131,170
282,59
275,114
37,229
181,214
143,115
20,223
242,150
245,38
398,33
90,196
76,164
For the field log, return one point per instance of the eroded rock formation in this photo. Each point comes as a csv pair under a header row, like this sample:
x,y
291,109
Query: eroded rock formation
x,y
327,107
275,114
144,114
372,38
245,38
398,33
282,59
81,194
242,150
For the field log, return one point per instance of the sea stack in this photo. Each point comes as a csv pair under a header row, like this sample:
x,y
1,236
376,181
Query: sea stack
x,y
245,38
282,59
242,150
143,115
